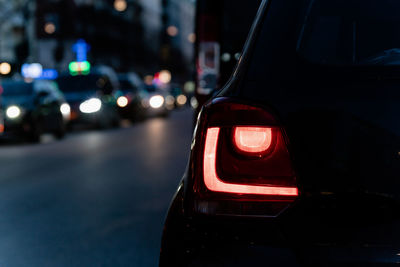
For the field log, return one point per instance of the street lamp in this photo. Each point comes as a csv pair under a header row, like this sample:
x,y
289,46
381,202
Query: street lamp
x,y
5,68
120,5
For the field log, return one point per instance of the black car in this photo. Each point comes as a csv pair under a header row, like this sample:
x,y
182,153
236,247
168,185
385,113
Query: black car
x,y
31,109
296,161
92,97
130,100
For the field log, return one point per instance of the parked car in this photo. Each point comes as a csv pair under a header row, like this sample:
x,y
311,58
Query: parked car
x,y
296,161
92,97
130,97
32,109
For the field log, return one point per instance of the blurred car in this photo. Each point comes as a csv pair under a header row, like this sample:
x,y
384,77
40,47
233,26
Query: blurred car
x,y
130,98
296,161
31,109
180,99
154,100
92,97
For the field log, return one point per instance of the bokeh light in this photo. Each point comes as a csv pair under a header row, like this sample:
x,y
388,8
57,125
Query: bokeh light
x,y
120,5
5,68
172,31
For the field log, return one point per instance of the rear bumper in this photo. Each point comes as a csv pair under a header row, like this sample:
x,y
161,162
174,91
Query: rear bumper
x,y
303,236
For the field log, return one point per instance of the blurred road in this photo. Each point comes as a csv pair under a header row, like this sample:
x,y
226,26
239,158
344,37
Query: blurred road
x,y
94,198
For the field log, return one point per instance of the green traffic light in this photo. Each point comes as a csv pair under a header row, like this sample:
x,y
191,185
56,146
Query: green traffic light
x,y
76,68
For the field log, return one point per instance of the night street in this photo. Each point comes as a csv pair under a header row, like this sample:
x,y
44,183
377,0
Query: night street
x,y
96,198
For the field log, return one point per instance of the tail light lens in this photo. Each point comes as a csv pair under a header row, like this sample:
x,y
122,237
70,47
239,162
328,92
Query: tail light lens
x,y
240,161
252,140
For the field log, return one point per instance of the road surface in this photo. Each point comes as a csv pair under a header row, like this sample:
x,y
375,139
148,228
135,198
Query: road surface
x,y
94,198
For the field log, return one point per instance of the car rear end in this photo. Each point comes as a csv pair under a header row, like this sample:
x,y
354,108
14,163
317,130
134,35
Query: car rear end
x,y
296,161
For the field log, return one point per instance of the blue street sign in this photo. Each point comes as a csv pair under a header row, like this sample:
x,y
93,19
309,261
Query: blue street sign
x,y
81,48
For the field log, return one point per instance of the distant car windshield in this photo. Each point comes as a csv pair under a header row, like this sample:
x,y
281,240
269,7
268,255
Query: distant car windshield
x,y
150,88
126,86
17,89
351,32
81,83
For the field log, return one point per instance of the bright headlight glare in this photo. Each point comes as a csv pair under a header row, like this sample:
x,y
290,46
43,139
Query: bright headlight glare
x,y
122,101
65,110
90,106
13,112
156,101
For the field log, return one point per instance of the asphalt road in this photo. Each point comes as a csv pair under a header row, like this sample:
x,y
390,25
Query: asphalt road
x,y
94,198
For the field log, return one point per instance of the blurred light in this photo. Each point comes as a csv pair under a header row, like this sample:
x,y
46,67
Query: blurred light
x,y
189,87
122,101
90,106
145,103
50,28
170,102
181,100
49,74
165,76
32,71
156,101
1,128
65,109
226,57
76,68
81,48
120,5
237,56
192,38
172,31
194,103
5,68
148,79
13,112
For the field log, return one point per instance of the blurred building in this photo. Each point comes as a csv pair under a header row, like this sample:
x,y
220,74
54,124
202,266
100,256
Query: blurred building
x,y
125,34
14,17
178,36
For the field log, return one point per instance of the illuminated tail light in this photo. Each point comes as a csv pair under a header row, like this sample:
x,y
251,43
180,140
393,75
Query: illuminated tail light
x,y
253,139
214,183
241,163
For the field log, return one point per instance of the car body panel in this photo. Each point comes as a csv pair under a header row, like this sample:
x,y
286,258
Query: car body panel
x,y
345,148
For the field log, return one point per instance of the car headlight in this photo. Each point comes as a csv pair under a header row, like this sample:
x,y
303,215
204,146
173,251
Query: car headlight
x,y
65,110
90,106
122,101
13,112
156,101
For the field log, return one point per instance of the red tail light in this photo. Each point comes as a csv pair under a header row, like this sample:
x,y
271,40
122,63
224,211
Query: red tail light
x,y
253,139
241,162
